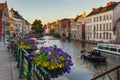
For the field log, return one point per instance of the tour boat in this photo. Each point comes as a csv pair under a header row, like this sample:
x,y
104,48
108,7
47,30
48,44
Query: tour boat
x,y
109,48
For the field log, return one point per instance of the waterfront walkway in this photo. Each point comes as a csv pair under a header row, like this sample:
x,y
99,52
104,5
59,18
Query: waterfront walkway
x,y
8,70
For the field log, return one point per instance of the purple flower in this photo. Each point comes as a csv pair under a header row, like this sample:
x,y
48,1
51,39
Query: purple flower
x,y
55,60
48,57
35,47
31,55
55,46
58,56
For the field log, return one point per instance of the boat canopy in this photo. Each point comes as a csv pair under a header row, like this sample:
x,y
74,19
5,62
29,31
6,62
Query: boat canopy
x,y
109,45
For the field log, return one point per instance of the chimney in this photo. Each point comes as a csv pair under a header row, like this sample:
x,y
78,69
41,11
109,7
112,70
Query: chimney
x,y
110,3
84,14
93,9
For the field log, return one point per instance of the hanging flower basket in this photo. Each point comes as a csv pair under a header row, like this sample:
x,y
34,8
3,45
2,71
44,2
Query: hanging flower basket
x,y
54,60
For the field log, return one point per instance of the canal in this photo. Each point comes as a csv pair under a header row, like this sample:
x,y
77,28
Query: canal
x,y
83,69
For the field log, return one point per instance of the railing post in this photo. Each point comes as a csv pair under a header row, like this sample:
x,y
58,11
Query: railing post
x,y
118,74
29,74
22,64
16,52
18,57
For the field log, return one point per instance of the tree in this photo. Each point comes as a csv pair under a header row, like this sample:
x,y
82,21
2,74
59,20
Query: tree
x,y
37,26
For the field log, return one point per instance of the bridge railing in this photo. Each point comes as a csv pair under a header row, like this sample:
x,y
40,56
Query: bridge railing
x,y
27,69
112,74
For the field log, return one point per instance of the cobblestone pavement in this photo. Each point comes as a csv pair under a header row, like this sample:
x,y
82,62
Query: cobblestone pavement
x,y
8,70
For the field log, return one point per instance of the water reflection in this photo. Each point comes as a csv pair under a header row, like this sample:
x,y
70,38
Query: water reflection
x,y
83,45
83,69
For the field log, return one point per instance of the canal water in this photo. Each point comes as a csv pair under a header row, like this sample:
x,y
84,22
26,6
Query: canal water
x,y
83,69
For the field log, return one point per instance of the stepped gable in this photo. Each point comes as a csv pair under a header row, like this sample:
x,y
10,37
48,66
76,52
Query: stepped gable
x,y
109,6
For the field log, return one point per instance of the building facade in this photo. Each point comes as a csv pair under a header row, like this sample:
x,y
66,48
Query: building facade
x,y
4,20
65,27
11,21
117,31
73,30
19,25
100,22
80,26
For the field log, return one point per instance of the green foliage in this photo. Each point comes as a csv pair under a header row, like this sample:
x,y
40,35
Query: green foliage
x,y
37,26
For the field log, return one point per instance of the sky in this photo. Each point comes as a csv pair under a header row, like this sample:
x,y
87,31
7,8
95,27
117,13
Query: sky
x,y
53,10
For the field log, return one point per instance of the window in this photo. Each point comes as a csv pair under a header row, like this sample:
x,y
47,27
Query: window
x,y
106,26
100,27
103,27
104,35
119,50
97,27
110,27
110,35
110,16
97,35
104,17
5,14
100,18
94,19
94,28
100,35
97,19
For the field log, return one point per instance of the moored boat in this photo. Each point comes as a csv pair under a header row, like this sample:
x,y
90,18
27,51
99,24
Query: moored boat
x,y
93,56
109,48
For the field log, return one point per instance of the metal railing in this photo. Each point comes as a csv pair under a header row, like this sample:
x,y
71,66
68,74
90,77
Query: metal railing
x,y
116,71
27,69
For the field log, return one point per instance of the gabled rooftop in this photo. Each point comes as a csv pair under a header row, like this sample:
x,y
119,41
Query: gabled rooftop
x,y
78,16
108,7
16,14
3,5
